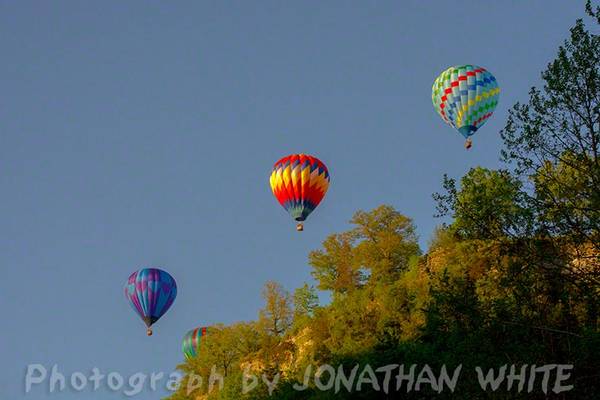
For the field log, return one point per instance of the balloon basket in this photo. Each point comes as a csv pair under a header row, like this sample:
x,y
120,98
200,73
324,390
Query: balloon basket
x,y
149,332
468,144
300,227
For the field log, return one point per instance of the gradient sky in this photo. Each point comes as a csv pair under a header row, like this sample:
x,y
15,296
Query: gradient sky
x,y
138,134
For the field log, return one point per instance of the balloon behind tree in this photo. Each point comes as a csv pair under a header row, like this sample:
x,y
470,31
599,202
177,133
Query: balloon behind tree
x,y
192,342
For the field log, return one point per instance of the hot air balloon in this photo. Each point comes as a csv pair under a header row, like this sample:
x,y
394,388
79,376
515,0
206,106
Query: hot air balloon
x,y
299,182
150,291
465,97
192,342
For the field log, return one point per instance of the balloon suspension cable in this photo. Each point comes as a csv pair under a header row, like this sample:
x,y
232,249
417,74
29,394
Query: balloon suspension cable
x,y
149,332
468,144
300,227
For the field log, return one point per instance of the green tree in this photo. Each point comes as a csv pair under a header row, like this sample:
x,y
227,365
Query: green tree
x,y
490,204
276,317
512,278
386,242
377,249
306,301
334,267
554,140
363,268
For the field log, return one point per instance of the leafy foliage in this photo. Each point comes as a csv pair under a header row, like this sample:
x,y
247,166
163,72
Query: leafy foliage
x,y
512,279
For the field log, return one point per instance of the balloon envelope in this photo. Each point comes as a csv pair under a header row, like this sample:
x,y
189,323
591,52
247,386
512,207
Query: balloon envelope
x,y
299,182
151,292
192,342
465,96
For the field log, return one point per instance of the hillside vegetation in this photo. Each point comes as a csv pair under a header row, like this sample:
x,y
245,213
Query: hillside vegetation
x,y
512,279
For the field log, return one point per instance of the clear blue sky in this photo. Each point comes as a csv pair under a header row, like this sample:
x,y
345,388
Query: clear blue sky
x,y
140,134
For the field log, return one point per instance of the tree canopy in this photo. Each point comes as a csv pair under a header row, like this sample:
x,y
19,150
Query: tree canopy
x,y
512,278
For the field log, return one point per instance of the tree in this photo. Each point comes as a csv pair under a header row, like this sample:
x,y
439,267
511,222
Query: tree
x,y
306,301
549,201
553,141
363,267
512,279
377,249
490,204
276,317
386,242
334,267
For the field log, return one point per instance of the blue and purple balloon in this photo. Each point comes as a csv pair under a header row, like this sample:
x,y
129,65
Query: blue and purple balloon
x,y
151,292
